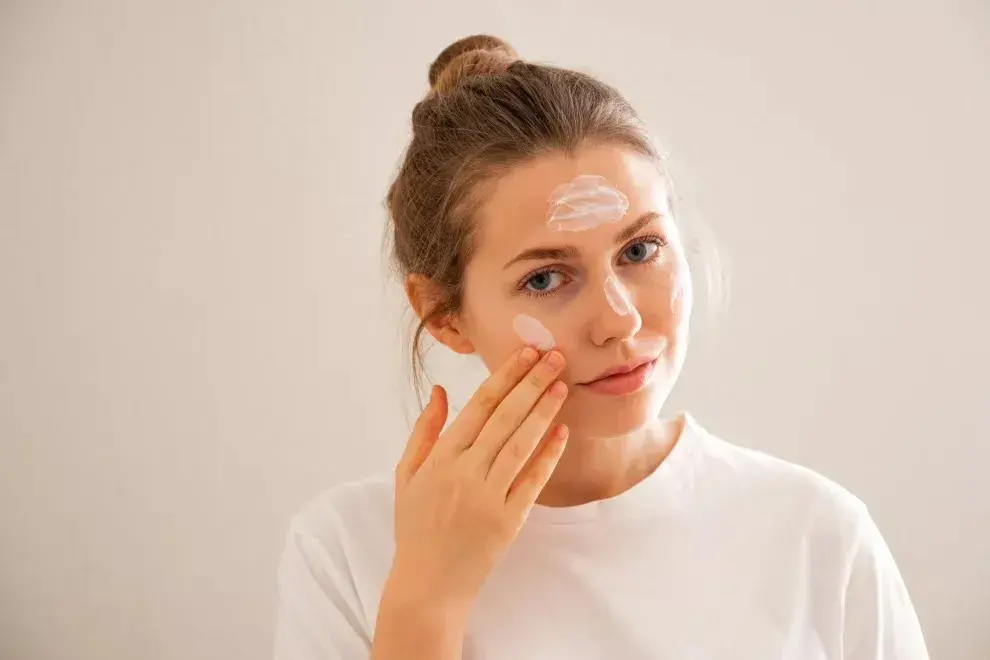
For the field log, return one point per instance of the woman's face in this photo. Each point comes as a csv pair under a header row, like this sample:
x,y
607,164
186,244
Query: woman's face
x,y
583,249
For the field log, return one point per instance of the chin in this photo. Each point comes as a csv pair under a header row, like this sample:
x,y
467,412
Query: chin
x,y
591,415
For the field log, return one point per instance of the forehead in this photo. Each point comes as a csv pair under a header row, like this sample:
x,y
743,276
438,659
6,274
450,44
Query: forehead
x,y
515,210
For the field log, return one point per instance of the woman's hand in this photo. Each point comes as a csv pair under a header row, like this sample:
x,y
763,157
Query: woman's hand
x,y
462,496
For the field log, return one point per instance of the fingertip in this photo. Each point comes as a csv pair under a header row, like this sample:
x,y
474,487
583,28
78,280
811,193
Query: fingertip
x,y
528,356
556,444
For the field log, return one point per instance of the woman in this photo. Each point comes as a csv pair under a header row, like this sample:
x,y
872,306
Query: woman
x,y
558,516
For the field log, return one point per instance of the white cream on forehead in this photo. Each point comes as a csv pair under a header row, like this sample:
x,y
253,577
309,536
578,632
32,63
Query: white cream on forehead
x,y
534,333
584,203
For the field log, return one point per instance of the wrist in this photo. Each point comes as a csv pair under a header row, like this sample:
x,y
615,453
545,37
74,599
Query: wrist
x,y
412,594
413,625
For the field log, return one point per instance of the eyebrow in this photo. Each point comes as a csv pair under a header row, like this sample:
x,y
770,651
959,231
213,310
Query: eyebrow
x,y
563,252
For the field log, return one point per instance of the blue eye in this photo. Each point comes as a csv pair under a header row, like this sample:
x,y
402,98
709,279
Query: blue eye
x,y
544,282
641,252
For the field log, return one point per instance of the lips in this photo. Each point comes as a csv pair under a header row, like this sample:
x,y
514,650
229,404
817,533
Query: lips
x,y
624,383
622,369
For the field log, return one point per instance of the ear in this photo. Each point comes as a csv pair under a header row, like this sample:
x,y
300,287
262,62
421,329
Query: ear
x,y
425,295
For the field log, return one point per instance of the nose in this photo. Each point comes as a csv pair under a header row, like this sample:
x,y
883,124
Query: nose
x,y
614,313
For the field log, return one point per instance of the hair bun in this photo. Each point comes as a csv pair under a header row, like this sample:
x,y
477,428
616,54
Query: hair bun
x,y
480,54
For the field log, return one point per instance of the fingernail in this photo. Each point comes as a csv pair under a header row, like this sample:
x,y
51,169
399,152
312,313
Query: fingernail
x,y
555,360
528,356
558,390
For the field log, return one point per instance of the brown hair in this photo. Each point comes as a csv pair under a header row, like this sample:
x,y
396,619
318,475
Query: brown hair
x,y
486,111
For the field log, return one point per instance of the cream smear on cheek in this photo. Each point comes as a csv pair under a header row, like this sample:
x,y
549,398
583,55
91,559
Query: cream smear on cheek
x,y
532,332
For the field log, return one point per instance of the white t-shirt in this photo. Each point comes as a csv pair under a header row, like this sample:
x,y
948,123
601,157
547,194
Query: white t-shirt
x,y
721,553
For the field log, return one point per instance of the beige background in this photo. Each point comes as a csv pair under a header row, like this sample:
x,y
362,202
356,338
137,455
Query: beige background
x,y
195,334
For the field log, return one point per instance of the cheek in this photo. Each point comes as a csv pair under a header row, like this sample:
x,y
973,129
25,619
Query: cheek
x,y
682,293
665,298
488,316
679,292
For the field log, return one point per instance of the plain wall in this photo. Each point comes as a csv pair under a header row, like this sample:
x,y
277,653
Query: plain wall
x,y
197,336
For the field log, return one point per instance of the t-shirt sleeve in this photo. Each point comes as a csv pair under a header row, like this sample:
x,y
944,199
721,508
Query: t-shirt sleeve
x,y
880,620
319,612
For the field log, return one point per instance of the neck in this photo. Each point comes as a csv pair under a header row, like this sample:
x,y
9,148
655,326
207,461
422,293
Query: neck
x,y
598,468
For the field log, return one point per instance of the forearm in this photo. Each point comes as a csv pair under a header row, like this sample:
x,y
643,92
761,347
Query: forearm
x,y
409,629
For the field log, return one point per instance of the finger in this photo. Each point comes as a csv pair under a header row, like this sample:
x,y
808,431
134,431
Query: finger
x,y
509,414
531,481
517,450
432,426
424,435
468,424
524,473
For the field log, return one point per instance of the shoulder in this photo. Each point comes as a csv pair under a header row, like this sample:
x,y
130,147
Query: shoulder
x,y
370,497
769,487
783,505
349,522
337,552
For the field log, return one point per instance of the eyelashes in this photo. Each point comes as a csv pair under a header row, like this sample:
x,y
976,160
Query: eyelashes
x,y
541,274
548,280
